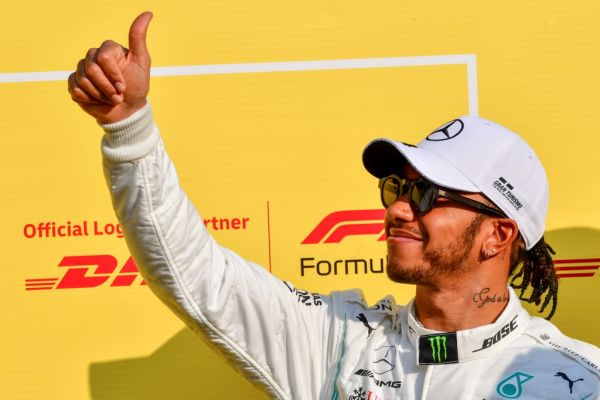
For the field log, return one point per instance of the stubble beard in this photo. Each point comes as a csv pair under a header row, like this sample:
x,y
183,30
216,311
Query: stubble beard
x,y
450,259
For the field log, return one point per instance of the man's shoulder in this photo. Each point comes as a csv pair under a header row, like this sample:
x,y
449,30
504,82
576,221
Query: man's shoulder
x,y
359,316
548,336
355,299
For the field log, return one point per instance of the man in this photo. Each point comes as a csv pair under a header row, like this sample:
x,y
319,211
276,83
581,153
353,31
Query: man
x,y
464,208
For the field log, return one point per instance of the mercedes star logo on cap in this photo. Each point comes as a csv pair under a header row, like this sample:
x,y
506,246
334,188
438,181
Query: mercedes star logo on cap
x,y
447,131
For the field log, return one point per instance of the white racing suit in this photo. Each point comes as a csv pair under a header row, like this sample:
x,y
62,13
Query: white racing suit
x,y
300,345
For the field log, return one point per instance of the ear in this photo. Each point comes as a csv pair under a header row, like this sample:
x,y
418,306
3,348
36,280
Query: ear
x,y
500,233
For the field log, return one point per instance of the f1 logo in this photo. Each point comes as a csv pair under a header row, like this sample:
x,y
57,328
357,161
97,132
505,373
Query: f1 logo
x,y
340,224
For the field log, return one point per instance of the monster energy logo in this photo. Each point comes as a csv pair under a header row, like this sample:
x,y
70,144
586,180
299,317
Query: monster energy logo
x,y
438,349
438,344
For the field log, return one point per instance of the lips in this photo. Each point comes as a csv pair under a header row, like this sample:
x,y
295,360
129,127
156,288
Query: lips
x,y
406,233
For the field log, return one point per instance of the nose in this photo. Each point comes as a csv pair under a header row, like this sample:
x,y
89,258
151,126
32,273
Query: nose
x,y
401,210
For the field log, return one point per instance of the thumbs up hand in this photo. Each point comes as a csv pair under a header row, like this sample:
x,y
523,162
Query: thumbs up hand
x,y
112,82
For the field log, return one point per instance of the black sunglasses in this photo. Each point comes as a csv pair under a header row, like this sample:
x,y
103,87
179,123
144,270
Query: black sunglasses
x,y
423,194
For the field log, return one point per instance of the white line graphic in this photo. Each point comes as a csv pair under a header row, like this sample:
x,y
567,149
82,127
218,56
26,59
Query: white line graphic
x,y
469,60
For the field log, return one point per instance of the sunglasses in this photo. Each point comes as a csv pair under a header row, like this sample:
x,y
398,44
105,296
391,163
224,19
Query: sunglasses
x,y
422,195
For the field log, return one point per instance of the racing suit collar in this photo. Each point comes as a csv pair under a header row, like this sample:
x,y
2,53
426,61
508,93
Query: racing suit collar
x,y
434,347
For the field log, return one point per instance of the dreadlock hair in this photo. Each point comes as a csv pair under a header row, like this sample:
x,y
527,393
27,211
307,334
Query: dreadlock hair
x,y
537,271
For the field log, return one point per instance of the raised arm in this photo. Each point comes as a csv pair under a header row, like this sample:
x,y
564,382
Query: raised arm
x,y
287,346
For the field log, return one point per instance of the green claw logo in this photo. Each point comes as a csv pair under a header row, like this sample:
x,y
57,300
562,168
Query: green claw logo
x,y
438,343
441,348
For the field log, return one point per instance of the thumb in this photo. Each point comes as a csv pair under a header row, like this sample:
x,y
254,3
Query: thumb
x,y
137,34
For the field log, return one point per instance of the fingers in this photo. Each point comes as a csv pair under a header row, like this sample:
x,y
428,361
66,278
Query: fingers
x,y
107,57
99,66
85,84
78,94
137,34
99,77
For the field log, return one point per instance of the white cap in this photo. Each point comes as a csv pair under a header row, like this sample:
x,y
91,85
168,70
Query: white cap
x,y
472,154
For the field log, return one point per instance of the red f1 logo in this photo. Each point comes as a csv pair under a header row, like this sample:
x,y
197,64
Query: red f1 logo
x,y
339,224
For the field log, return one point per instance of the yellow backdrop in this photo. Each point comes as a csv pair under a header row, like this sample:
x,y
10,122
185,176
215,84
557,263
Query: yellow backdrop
x,y
267,144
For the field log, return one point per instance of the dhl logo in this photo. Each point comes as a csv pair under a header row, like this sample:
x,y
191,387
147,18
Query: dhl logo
x,y
88,272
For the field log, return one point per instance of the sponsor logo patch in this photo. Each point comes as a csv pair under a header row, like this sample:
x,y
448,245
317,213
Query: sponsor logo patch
x,y
363,318
438,349
447,131
505,188
501,334
385,359
569,381
512,387
378,382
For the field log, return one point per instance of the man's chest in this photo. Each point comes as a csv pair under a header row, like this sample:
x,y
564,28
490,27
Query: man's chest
x,y
380,363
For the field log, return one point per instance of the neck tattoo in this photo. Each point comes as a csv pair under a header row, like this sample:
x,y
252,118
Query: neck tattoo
x,y
483,298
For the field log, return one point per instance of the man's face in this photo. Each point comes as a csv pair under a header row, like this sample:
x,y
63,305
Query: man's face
x,y
422,249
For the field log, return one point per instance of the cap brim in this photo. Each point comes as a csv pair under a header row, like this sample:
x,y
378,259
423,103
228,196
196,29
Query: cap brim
x,y
383,157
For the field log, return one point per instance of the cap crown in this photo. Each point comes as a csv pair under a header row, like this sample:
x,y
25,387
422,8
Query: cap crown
x,y
500,164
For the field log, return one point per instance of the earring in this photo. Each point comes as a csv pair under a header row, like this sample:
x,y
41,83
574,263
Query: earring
x,y
487,253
